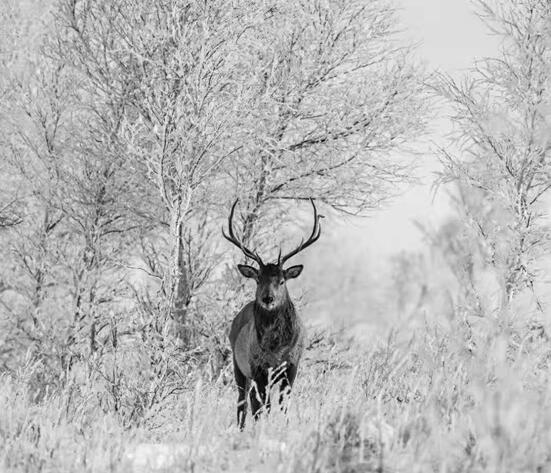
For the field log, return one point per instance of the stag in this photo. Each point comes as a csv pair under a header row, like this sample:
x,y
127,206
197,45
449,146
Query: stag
x,y
267,335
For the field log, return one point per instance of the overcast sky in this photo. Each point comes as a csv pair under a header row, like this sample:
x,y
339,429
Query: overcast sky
x,y
452,36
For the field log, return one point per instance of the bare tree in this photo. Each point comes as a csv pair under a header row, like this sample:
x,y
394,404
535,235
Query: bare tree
x,y
501,160
168,70
63,273
337,98
19,26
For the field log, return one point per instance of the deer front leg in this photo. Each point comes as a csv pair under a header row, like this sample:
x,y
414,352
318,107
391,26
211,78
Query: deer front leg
x,y
242,388
286,383
259,395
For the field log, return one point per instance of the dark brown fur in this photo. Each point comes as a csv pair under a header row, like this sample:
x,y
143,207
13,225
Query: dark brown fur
x,y
267,347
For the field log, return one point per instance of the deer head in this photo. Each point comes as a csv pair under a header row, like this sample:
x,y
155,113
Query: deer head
x,y
271,278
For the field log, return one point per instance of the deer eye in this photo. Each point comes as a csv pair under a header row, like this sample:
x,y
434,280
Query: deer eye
x,y
282,282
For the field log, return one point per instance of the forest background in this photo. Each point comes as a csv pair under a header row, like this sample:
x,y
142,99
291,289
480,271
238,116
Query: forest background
x,y
128,129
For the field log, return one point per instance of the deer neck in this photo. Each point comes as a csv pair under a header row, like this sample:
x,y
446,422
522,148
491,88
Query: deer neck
x,y
275,328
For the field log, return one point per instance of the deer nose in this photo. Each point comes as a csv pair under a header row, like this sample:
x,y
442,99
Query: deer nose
x,y
268,299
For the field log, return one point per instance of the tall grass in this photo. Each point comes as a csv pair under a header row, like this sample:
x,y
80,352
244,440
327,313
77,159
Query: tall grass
x,y
416,402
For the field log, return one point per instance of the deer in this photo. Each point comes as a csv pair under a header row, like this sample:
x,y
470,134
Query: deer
x,y
267,336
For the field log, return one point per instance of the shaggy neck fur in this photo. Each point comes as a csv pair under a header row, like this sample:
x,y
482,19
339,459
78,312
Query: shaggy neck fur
x,y
275,328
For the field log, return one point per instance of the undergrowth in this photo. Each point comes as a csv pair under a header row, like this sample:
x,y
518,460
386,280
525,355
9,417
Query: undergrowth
x,y
415,401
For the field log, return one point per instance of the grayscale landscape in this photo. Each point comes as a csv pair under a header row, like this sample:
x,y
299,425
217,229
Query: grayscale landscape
x,y
272,236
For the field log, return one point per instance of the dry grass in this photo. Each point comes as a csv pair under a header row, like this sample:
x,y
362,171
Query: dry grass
x,y
423,404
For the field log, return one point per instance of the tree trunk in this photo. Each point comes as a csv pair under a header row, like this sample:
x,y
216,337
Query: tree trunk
x,y
182,290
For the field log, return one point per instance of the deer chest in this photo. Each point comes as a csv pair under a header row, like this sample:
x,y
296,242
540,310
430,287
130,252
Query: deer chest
x,y
271,351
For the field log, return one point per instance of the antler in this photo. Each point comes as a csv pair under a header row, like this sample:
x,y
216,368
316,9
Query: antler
x,y
233,239
316,232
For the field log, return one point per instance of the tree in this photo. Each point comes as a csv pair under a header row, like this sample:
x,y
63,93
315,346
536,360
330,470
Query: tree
x,y
165,73
336,98
501,161
264,101
63,269
19,26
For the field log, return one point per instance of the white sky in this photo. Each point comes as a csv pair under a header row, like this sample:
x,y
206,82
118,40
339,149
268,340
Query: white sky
x,y
452,35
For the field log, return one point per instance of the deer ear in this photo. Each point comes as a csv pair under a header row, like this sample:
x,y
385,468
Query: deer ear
x,y
248,271
293,272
